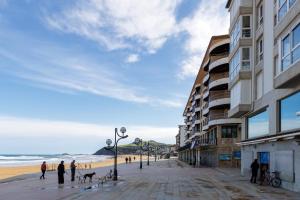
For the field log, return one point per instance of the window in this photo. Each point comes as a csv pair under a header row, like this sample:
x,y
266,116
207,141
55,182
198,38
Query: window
x,y
283,7
246,28
245,58
296,44
258,125
260,16
259,50
240,61
259,85
229,132
244,24
234,65
290,48
290,112
235,34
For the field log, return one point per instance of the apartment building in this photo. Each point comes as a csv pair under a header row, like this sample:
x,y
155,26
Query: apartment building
x,y
211,136
264,84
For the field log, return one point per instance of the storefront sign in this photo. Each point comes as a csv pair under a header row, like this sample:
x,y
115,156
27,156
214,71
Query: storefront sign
x,y
225,157
237,155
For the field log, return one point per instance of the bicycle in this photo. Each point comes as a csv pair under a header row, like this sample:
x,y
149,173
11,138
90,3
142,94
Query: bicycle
x,y
273,179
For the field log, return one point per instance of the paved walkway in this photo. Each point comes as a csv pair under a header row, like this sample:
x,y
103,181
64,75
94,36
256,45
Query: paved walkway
x,y
163,180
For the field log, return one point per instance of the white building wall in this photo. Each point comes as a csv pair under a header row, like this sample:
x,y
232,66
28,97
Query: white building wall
x,y
268,45
182,133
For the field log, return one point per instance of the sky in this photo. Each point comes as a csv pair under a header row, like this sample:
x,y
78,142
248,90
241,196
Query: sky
x,y
72,71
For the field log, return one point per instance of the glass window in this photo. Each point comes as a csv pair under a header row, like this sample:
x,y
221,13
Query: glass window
x,y
296,44
234,66
245,58
246,32
286,57
291,2
290,48
235,34
229,132
282,9
258,125
290,112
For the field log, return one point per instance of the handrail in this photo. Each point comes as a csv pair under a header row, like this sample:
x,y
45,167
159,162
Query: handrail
x,y
218,76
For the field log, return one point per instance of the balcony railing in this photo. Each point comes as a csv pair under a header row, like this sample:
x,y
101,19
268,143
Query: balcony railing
x,y
218,76
216,116
218,56
214,95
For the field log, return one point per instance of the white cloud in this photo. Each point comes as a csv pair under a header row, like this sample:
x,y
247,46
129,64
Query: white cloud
x,y
207,20
35,130
68,71
190,66
132,58
147,24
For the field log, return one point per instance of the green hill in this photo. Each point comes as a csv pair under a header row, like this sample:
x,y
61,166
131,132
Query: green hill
x,y
133,148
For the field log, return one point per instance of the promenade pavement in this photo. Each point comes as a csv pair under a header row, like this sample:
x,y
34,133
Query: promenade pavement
x,y
162,180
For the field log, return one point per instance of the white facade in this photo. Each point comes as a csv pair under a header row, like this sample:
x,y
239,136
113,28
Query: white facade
x,y
266,94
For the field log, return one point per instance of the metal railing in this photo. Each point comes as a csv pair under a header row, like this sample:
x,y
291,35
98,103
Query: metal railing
x,y
218,56
215,116
218,76
214,95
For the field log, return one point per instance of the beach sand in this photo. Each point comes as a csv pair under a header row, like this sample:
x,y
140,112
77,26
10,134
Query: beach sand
x,y
9,172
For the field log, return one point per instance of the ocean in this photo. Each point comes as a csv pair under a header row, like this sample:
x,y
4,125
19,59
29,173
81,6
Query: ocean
x,y
25,160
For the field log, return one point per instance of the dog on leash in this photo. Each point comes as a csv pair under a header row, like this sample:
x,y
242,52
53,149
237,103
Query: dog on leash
x,y
90,176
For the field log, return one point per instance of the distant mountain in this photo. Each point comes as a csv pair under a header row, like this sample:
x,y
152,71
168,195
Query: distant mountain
x,y
134,149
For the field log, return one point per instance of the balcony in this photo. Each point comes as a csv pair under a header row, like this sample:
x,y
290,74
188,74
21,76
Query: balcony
x,y
219,62
205,94
205,79
205,109
219,98
221,94
218,80
216,118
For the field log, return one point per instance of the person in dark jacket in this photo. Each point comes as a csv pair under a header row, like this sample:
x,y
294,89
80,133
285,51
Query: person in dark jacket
x,y
43,169
254,169
73,170
61,172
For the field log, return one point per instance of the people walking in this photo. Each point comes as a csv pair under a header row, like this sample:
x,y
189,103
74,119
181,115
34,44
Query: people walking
x,y
126,160
129,159
61,172
254,169
43,169
133,157
73,170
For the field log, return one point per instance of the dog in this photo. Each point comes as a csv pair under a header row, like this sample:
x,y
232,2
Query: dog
x,y
90,176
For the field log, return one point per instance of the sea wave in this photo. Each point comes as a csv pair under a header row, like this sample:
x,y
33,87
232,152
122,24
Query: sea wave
x,y
23,160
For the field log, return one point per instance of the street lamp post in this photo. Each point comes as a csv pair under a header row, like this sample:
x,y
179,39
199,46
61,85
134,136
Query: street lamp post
x,y
115,147
156,149
148,149
139,142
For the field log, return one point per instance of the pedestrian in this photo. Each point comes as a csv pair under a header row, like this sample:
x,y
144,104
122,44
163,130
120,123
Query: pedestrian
x,y
129,159
254,169
133,157
73,170
61,172
43,169
126,160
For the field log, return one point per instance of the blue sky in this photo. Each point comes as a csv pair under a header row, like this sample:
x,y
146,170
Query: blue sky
x,y
71,71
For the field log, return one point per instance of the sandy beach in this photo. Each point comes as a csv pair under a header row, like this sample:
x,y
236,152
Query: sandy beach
x,y
9,172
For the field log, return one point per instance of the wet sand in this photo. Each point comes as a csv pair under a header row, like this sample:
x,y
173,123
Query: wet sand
x,y
9,172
